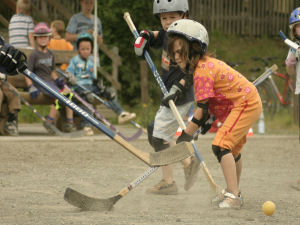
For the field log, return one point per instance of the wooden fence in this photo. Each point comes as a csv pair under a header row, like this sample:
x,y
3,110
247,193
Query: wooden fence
x,y
244,17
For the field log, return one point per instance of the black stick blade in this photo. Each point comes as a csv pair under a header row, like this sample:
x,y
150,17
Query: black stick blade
x,y
86,203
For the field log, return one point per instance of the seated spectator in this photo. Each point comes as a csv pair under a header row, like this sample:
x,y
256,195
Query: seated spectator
x,y
57,41
21,26
83,22
41,62
80,71
14,106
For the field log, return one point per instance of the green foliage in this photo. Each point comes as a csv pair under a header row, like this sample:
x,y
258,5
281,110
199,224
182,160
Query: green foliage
x,y
26,115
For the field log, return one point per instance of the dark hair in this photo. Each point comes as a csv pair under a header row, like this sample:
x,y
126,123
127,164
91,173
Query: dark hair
x,y
190,51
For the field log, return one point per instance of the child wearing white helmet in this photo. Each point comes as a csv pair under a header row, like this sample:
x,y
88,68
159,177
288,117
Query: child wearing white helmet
x,y
162,130
41,62
219,91
292,60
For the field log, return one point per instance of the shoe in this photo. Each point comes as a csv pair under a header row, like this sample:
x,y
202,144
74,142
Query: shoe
x,y
125,117
69,127
88,131
191,173
48,127
230,201
11,128
162,188
219,197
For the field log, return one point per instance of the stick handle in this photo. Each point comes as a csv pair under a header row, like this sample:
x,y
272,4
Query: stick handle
x,y
128,19
288,41
265,75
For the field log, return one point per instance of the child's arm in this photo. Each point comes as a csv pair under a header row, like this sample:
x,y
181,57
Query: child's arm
x,y
290,63
31,39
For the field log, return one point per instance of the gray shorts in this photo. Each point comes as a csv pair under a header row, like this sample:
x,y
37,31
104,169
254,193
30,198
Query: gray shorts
x,y
165,123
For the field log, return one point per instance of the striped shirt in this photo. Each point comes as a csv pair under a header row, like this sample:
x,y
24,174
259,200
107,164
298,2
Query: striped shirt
x,y
19,28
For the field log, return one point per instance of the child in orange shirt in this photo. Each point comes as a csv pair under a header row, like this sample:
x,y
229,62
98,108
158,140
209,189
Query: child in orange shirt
x,y
219,91
57,41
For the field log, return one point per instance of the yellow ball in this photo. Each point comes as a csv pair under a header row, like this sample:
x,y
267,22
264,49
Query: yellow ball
x,y
268,208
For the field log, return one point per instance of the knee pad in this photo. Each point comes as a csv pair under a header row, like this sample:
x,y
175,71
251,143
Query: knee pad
x,y
158,144
238,158
219,152
150,129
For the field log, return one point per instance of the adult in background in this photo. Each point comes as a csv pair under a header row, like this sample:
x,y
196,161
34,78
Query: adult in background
x,y
83,22
21,25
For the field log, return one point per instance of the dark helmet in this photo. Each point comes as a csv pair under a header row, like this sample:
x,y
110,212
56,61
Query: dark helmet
x,y
84,37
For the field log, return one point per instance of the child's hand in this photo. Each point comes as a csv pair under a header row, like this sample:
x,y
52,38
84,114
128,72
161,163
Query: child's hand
x,y
71,79
34,92
141,44
60,82
174,93
12,59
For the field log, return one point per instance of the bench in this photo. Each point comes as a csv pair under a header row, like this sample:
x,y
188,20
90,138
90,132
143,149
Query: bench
x,y
18,81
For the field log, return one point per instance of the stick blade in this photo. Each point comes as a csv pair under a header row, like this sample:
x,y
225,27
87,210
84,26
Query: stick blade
x,y
86,203
172,154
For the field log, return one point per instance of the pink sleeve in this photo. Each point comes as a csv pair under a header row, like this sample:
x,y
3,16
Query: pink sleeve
x,y
290,59
203,87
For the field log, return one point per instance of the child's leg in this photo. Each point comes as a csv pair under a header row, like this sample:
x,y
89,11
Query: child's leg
x,y
69,115
229,171
52,113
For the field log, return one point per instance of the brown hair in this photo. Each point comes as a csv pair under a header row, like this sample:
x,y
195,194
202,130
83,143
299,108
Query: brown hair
x,y
187,49
59,25
24,6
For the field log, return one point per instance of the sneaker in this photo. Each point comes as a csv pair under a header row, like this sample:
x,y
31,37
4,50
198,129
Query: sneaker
x,y
162,188
11,128
219,197
88,131
125,117
191,173
48,127
69,127
230,201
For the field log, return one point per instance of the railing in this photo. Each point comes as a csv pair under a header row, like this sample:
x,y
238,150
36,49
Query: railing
x,y
243,17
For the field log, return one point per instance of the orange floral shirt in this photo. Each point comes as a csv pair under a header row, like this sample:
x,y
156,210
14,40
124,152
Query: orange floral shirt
x,y
224,87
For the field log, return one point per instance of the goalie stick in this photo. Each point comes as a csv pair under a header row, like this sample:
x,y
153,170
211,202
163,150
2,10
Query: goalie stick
x,y
135,33
51,126
101,100
102,118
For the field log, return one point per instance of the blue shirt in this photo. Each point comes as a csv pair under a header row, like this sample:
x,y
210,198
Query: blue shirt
x,y
79,23
83,70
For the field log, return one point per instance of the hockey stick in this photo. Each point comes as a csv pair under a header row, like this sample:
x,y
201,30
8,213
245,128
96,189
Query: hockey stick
x,y
294,46
51,126
101,100
102,118
172,155
87,203
133,29
265,75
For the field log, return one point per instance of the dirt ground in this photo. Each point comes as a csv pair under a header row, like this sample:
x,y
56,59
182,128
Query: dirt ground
x,y
36,170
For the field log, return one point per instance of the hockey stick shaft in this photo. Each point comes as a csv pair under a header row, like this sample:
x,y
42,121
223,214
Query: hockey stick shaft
x,y
101,100
171,102
265,75
102,118
152,159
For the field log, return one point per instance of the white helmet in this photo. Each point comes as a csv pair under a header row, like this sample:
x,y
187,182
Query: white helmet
x,y
163,6
191,30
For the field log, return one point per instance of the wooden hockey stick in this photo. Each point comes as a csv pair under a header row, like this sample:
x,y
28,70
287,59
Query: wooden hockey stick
x,y
51,126
171,155
102,118
87,203
265,75
134,31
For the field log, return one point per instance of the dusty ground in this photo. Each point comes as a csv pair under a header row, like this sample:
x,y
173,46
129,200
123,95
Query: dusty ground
x,y
35,171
